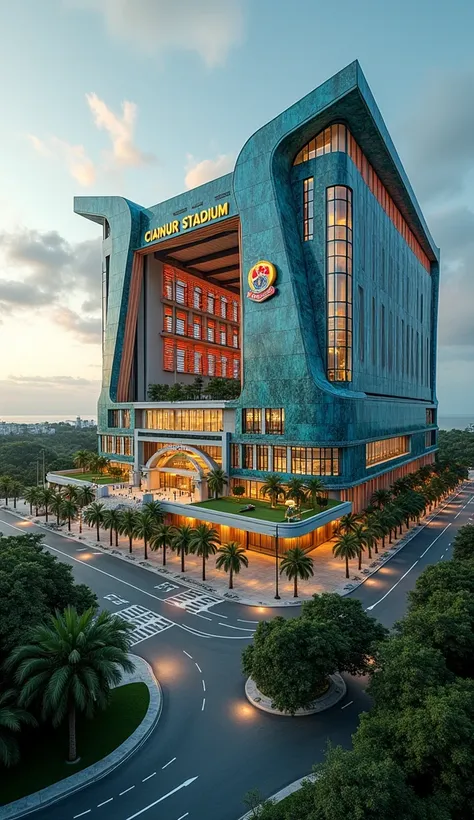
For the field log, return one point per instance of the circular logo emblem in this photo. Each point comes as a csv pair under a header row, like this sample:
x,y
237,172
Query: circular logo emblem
x,y
261,278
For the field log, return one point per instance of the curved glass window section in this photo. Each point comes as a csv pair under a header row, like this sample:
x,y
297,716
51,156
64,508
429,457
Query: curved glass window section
x,y
339,283
339,138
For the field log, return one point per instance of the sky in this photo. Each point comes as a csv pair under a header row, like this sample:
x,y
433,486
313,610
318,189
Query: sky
x,y
145,98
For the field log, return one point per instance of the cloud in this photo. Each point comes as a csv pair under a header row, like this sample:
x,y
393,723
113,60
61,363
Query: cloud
x,y
86,329
199,172
81,168
208,27
51,395
120,130
52,381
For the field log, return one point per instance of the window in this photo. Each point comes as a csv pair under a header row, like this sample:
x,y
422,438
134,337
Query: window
x,y
361,324
211,364
235,338
180,359
223,307
430,438
247,456
181,324
430,416
262,457
222,335
197,327
308,208
235,456
315,460
184,420
210,302
197,298
275,421
119,418
236,369
180,292
339,283
386,449
197,361
210,331
235,311
252,420
279,459
224,367
168,319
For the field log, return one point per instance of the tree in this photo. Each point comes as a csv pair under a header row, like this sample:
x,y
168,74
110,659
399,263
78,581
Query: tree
x,y
204,543
81,459
296,564
155,510
128,525
84,496
238,490
162,538
145,527
447,576
347,548
463,546
181,542
380,498
216,479
296,490
316,489
111,521
12,718
347,523
31,496
273,487
359,535
16,488
70,665
69,511
5,487
231,559
94,516
46,496
290,660
70,492
56,506
101,463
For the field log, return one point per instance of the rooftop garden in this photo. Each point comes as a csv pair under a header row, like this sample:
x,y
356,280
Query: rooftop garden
x,y
216,389
263,510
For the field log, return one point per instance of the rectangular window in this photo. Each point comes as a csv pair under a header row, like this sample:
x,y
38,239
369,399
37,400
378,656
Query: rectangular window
x,y
222,335
168,319
197,327
119,418
275,421
210,331
247,456
236,369
181,324
430,416
223,307
235,456
430,438
386,449
197,298
235,312
180,359
180,292
235,338
262,457
252,420
339,283
197,362
279,459
210,303
315,460
361,324
224,367
211,364
308,208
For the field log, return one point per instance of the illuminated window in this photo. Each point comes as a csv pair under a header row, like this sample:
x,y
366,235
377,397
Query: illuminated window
x,y
275,421
252,420
119,418
235,456
279,459
235,338
185,420
262,457
247,456
197,298
386,449
315,460
339,283
308,208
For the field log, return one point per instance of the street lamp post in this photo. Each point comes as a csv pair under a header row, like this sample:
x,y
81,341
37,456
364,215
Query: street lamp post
x,y
277,564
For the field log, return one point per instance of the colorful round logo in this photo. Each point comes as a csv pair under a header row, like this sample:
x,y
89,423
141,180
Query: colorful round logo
x,y
261,278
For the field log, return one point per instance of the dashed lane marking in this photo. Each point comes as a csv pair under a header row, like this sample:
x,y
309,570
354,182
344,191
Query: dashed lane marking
x,y
148,778
198,667
347,704
81,814
146,623
203,704
160,799
126,790
169,762
241,628
187,653
183,816
104,803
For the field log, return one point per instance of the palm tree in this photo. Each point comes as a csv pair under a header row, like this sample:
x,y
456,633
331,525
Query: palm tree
x,y
56,506
371,535
231,558
273,488
296,564
316,488
161,538
380,520
70,665
111,522
216,479
94,516
181,542
101,463
85,495
69,511
31,497
296,490
154,508
380,498
70,492
359,534
204,542
82,459
12,717
348,523
46,497
346,547
16,489
128,524
145,527
6,482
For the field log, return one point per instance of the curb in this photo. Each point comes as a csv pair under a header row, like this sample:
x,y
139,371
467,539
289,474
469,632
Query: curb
x,y
278,796
69,785
337,690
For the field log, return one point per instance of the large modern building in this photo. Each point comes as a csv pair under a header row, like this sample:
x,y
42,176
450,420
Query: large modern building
x,y
309,276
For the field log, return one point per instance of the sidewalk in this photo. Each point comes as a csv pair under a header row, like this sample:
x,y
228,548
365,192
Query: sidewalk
x,y
255,584
142,673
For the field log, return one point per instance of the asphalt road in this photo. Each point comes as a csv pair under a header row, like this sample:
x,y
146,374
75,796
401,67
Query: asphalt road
x,y
211,746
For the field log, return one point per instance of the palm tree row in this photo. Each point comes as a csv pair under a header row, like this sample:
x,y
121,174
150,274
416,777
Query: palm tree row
x,y
65,503
409,498
10,488
296,489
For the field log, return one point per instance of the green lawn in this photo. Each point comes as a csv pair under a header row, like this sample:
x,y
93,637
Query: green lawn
x,y
44,750
262,511
94,477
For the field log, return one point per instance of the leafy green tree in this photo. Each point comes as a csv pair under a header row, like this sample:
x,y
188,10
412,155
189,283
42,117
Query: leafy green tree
x,y
162,538
216,480
290,660
347,548
128,525
272,487
94,516
70,664
31,497
6,482
238,490
12,718
181,542
296,564
111,521
295,489
447,576
46,497
231,558
204,543
56,506
101,464
69,511
145,527
463,546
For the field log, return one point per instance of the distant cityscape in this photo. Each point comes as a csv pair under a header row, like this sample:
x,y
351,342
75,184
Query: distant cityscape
x,y
41,428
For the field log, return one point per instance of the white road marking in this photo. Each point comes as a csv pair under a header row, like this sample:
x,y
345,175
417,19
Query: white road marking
x,y
169,761
160,799
369,608
434,542
126,790
347,704
81,814
217,614
115,599
146,623
243,621
183,816
203,704
187,653
204,686
148,778
193,601
105,801
441,558
166,587
198,667
81,549
202,616
242,628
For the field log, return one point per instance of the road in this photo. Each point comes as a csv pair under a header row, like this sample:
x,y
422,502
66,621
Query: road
x,y
211,746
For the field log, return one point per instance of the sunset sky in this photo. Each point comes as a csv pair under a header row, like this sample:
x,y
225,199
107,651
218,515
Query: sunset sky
x,y
143,98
